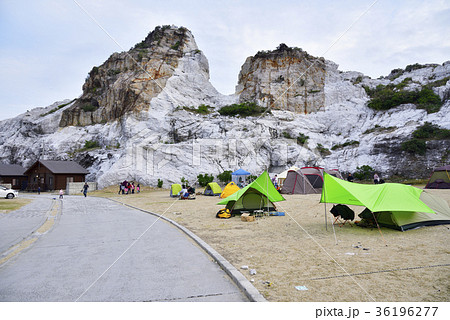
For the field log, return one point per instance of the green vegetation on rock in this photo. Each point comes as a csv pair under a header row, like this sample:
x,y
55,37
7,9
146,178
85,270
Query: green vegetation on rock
x,y
201,109
245,109
345,144
427,131
390,96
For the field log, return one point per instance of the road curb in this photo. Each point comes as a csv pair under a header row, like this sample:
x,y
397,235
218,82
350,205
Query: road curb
x,y
238,278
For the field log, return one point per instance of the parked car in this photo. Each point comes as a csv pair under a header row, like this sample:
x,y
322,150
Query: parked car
x,y
8,193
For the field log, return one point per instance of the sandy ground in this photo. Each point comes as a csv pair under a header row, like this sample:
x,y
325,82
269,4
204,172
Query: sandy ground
x,y
347,263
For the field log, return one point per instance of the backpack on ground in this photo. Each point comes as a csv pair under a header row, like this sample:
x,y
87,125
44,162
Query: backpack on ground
x,y
223,214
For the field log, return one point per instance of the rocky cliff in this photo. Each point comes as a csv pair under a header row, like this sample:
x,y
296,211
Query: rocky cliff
x,y
128,81
151,113
284,79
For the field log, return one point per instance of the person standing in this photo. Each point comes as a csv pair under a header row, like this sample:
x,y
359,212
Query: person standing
x,y
85,188
350,178
61,193
275,180
376,179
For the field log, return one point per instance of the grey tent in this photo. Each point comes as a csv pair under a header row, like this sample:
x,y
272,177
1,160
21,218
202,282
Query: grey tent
x,y
315,177
440,179
297,183
334,172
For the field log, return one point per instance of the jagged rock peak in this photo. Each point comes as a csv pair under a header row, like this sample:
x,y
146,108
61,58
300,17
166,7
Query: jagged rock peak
x,y
284,79
166,37
128,81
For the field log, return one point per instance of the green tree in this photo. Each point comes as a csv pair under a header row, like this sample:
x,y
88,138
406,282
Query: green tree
x,y
184,181
364,172
203,180
225,176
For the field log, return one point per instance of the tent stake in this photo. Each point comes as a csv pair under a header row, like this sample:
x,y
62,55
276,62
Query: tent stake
x,y
334,231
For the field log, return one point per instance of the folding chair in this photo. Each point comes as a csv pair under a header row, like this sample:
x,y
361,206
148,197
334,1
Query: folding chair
x,y
342,214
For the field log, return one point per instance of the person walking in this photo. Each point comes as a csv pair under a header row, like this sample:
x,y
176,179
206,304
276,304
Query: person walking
x,y
85,188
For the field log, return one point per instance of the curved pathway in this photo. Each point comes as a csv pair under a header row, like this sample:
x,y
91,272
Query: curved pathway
x,y
93,249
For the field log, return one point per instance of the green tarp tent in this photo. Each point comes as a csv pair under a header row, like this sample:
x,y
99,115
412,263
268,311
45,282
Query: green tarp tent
x,y
404,220
212,189
175,189
396,205
258,195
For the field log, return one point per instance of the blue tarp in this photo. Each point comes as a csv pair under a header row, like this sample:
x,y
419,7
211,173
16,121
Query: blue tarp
x,y
240,172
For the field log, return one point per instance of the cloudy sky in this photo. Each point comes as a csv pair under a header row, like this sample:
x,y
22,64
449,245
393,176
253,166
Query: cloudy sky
x,y
47,47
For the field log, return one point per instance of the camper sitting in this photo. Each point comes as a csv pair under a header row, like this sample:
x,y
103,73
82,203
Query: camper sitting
x,y
184,194
191,190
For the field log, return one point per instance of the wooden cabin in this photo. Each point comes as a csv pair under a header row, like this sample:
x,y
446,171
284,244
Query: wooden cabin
x,y
54,174
13,175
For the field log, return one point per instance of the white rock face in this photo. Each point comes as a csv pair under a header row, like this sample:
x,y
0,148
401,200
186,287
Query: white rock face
x,y
165,141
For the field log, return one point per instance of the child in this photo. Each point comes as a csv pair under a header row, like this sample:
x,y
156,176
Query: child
x,y
61,193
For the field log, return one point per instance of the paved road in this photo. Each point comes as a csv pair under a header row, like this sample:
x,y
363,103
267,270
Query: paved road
x,y
92,249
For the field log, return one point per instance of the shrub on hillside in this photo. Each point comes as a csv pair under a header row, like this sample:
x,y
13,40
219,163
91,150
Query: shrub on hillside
x,y
245,109
322,150
416,146
390,96
90,144
431,131
301,139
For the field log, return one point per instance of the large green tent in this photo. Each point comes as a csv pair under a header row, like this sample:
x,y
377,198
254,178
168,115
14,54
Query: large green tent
x,y
379,197
395,205
404,220
258,195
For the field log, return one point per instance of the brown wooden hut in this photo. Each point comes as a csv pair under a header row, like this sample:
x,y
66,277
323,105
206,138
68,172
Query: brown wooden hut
x,y
54,174
14,175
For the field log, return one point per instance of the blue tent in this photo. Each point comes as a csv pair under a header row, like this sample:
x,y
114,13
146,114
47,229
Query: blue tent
x,y
240,172
239,177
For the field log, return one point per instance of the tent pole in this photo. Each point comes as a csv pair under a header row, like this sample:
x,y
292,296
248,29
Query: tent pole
x,y
379,229
326,225
267,189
